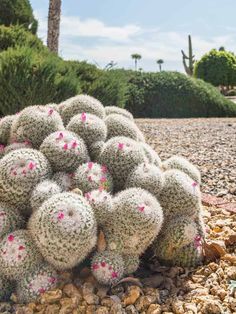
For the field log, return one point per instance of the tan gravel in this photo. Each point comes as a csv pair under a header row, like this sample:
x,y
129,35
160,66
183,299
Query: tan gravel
x,y
208,143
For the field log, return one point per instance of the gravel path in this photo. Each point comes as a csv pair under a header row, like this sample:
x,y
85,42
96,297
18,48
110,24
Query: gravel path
x,y
210,144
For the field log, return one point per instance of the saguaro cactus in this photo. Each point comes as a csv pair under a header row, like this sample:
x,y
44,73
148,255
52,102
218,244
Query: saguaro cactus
x,y
188,68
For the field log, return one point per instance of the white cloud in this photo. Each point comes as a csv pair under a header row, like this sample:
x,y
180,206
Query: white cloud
x,y
121,41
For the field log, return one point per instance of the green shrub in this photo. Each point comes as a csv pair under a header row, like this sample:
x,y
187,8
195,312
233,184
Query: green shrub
x,y
174,95
217,68
17,36
29,77
13,12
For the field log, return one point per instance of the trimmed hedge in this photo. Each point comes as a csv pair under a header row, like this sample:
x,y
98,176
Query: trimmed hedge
x,y
29,77
175,95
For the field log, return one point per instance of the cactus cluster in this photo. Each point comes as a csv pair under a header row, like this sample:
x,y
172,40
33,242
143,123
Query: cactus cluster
x,y
70,171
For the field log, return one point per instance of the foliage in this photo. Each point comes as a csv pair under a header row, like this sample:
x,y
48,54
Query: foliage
x,y
29,77
17,36
15,12
217,68
174,95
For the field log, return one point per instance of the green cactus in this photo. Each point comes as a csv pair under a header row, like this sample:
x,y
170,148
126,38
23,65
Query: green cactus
x,y
89,127
91,176
20,171
182,164
43,191
64,180
179,243
135,221
101,203
65,151
121,155
148,177
117,110
180,195
34,124
131,263
5,128
41,279
10,219
18,254
151,155
107,267
79,104
64,230
118,125
189,68
6,289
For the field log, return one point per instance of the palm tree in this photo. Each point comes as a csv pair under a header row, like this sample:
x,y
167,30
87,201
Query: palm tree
x,y
160,62
54,16
136,57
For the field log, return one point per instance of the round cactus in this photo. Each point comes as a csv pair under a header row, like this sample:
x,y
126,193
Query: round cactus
x,y
131,263
107,267
10,219
41,279
179,243
101,203
18,254
95,150
148,177
118,125
135,221
92,176
6,289
80,104
89,127
64,229
64,180
180,195
121,155
17,145
117,110
182,164
65,151
43,191
20,171
34,124
151,155
5,128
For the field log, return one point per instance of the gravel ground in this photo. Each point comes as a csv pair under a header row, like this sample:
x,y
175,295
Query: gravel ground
x,y
210,144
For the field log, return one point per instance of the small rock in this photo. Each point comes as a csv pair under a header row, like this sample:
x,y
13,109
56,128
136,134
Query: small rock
x,y
102,310
52,309
117,309
88,288
51,297
177,307
131,310
132,295
91,309
71,290
143,303
81,309
190,307
154,309
212,307
91,299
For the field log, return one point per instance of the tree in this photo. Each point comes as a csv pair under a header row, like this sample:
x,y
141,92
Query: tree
x,y
136,57
54,16
160,62
18,12
217,68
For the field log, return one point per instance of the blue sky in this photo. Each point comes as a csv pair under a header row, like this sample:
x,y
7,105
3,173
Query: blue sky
x,y
103,30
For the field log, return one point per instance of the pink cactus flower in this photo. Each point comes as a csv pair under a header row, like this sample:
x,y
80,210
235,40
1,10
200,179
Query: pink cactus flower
x,y
2,147
103,264
194,184
114,274
11,238
24,172
90,178
21,247
95,266
121,146
42,290
50,112
90,165
74,144
52,279
101,188
87,195
141,208
83,117
198,241
110,268
60,216
104,169
32,165
103,179
27,142
60,136
14,173
65,147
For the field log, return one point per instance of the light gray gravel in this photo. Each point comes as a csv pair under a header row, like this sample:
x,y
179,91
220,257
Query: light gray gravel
x,y
209,143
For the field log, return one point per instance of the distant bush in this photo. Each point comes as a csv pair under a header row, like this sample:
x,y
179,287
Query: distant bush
x,y
17,36
231,92
29,77
174,95
217,68
18,12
